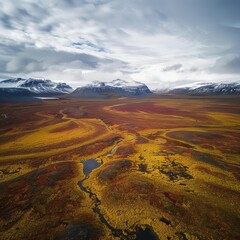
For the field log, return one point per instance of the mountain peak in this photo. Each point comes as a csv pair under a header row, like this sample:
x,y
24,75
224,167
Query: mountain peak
x,y
117,87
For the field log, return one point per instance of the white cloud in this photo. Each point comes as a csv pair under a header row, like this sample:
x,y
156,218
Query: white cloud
x,y
23,65
229,63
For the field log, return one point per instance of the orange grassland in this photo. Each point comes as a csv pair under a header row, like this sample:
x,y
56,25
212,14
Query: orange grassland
x,y
171,163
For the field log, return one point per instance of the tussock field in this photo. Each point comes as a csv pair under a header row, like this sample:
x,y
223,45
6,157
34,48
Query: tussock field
x,y
157,168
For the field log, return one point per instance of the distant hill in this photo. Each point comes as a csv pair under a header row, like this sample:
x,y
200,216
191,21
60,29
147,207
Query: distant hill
x,y
115,88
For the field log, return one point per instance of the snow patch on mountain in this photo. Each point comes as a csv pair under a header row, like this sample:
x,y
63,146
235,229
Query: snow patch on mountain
x,y
117,83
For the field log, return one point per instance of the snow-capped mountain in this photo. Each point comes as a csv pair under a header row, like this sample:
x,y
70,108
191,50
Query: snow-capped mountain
x,y
207,89
118,83
117,87
34,86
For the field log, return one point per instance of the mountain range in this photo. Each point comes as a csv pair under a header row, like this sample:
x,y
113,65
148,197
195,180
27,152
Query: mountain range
x,y
20,88
207,89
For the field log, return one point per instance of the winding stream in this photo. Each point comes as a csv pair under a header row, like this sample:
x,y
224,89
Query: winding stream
x,y
139,234
88,167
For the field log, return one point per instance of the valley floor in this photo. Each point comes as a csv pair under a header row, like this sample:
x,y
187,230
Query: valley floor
x,y
157,168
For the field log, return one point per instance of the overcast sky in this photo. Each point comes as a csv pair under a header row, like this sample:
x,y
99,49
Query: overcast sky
x,y
162,43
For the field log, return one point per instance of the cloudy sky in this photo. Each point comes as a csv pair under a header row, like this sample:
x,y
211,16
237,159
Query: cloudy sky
x,y
162,43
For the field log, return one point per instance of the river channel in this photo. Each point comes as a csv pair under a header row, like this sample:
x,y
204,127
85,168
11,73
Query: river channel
x,y
139,233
